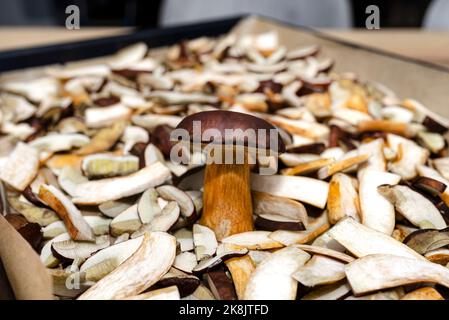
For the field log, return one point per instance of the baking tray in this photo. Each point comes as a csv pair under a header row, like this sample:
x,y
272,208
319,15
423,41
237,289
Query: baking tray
x,y
409,78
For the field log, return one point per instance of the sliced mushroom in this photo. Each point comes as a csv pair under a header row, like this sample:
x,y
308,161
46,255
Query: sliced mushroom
x,y
113,208
71,250
106,116
185,261
172,193
33,214
425,293
128,56
320,270
211,263
433,141
341,165
336,255
308,190
106,165
272,278
307,167
69,178
169,293
185,239
376,211
442,166
205,242
200,293
329,292
241,270
59,142
126,222
46,256
96,192
144,268
161,222
148,207
272,222
382,271
77,226
413,206
104,139
253,240
186,283
423,241
221,285
20,167
361,240
151,121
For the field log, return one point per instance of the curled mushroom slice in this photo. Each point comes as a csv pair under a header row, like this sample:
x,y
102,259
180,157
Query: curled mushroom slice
x,y
304,189
118,253
320,270
425,293
20,167
409,156
96,192
46,256
430,186
294,159
208,264
361,240
145,267
69,178
126,222
314,229
77,226
133,135
148,206
382,271
307,167
253,240
376,211
185,203
105,165
106,116
128,56
413,206
205,241
341,165
272,278
59,142
272,222
99,225
169,293
264,203
161,222
72,250
186,283
323,251
104,139
343,199
423,241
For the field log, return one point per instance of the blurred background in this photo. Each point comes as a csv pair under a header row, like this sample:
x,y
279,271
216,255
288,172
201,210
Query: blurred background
x,y
429,14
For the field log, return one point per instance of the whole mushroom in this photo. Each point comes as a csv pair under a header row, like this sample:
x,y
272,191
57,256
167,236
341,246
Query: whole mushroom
x,y
227,194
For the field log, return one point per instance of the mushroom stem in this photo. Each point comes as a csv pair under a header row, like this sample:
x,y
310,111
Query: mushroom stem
x,y
227,199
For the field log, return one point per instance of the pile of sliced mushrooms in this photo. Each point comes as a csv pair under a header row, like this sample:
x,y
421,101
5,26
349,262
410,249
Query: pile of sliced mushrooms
x,y
358,208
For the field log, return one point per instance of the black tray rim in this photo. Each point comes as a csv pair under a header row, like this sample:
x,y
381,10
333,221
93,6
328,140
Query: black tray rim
x,y
39,56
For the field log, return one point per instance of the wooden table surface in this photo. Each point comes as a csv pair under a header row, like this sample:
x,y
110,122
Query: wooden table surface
x,y
430,46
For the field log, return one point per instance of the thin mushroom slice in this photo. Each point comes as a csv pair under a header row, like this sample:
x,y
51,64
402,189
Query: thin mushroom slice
x,y
127,56
185,261
253,240
145,267
200,293
341,165
126,222
53,230
330,292
323,251
59,142
413,206
361,240
72,250
205,242
106,166
320,270
46,256
425,293
162,222
171,193
33,214
77,226
440,256
69,178
314,229
376,211
113,208
307,167
272,278
185,239
96,192
343,198
423,241
169,293
147,206
151,121
272,222
382,271
208,264
264,203
308,190
20,167
433,141
118,253
106,116
103,140
186,283
220,285
442,166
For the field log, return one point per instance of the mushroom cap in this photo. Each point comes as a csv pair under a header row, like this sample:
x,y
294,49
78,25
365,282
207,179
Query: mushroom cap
x,y
232,128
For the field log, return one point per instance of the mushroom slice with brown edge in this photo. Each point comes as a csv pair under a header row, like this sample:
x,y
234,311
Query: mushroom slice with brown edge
x,y
361,240
185,239
200,293
104,139
72,250
145,267
323,251
169,293
185,203
377,212
272,278
162,222
147,206
253,240
382,271
205,241
241,270
425,293
413,206
210,263
341,165
96,192
273,222
20,167
221,285
429,185
118,253
423,241
343,198
440,256
264,203
126,222
46,256
320,270
186,283
77,226
307,167
304,189
227,206
316,227
106,166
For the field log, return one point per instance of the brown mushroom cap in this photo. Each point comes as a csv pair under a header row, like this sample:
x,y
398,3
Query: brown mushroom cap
x,y
238,122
